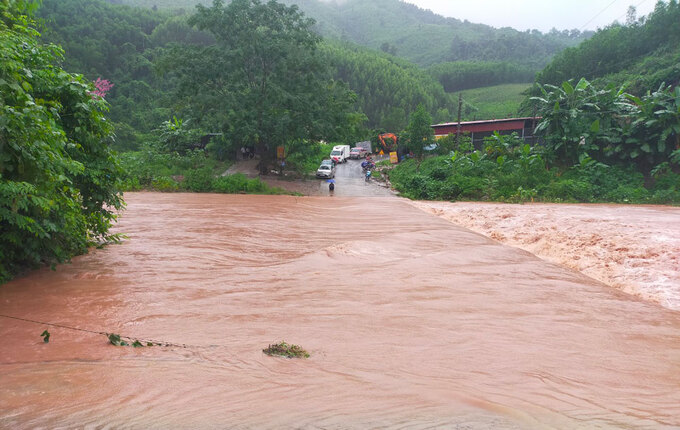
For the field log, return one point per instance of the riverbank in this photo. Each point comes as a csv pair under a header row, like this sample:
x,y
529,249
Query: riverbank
x,y
632,248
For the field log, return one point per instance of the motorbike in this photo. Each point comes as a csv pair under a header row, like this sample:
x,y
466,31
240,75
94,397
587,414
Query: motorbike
x,y
367,165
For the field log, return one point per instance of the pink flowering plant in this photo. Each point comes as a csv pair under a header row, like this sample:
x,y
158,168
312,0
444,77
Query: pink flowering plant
x,y
102,87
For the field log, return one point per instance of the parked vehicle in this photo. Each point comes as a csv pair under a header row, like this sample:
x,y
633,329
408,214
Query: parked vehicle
x,y
358,152
366,144
367,165
325,171
340,153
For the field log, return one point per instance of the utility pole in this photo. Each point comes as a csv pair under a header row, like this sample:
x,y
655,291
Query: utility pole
x,y
533,127
460,106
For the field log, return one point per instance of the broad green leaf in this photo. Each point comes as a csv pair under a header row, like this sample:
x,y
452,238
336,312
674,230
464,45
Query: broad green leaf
x,y
595,126
582,84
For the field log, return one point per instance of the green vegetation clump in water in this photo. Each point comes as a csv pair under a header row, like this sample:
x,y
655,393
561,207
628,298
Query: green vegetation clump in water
x,y
116,340
284,349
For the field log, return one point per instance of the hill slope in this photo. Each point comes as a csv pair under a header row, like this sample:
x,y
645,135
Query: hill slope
x,y
643,53
416,34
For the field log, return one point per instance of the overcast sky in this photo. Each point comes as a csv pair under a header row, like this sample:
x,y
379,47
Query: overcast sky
x,y
539,14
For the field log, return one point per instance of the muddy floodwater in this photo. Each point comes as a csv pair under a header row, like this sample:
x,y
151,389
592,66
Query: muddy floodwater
x,y
630,247
411,322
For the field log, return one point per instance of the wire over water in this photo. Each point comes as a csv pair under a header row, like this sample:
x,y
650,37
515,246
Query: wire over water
x,y
155,342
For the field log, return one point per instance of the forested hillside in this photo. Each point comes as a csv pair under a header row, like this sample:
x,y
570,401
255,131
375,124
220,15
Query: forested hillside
x,y
388,88
416,34
113,43
464,75
643,53
130,47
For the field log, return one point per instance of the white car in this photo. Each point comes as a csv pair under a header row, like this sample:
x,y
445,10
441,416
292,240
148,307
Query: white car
x,y
325,171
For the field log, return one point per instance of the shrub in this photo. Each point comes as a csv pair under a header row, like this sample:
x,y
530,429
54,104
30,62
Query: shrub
x,y
164,183
199,180
239,183
568,189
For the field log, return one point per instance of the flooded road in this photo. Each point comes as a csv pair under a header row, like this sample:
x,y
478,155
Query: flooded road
x,y
349,182
411,322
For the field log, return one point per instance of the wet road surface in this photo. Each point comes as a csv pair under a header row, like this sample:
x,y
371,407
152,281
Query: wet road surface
x,y
411,322
350,181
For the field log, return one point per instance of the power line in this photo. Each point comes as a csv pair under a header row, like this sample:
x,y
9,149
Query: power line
x,y
155,342
636,6
600,13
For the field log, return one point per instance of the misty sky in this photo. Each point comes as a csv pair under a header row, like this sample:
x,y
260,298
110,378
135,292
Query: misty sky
x,y
539,14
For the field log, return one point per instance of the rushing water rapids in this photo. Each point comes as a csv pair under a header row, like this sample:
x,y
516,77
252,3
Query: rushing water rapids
x,y
412,322
633,248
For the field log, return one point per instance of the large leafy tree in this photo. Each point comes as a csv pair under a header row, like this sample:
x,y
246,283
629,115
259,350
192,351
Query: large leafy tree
x,y
57,175
263,82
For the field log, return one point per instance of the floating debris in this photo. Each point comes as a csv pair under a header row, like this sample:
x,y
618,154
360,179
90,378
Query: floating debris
x,y
284,349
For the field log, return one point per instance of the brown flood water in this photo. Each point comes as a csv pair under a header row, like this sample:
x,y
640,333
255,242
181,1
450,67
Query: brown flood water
x,y
412,322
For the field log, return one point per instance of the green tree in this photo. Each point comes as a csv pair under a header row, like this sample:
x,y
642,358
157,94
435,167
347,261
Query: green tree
x,y
57,175
419,133
262,83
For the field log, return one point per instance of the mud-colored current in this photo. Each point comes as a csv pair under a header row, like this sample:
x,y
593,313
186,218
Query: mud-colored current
x,y
411,322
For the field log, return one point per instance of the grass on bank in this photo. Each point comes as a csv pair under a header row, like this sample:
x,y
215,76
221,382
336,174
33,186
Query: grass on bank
x,y
498,101
150,169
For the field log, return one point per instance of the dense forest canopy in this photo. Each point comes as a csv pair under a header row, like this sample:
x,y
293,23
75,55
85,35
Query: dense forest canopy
x,y
126,45
388,88
129,47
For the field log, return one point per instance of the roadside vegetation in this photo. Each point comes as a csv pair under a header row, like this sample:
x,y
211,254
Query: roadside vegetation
x,y
152,170
597,145
508,170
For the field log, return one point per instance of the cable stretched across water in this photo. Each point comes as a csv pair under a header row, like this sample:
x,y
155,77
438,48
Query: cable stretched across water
x,y
148,341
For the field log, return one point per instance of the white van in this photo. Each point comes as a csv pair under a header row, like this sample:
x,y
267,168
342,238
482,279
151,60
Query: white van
x,y
340,153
